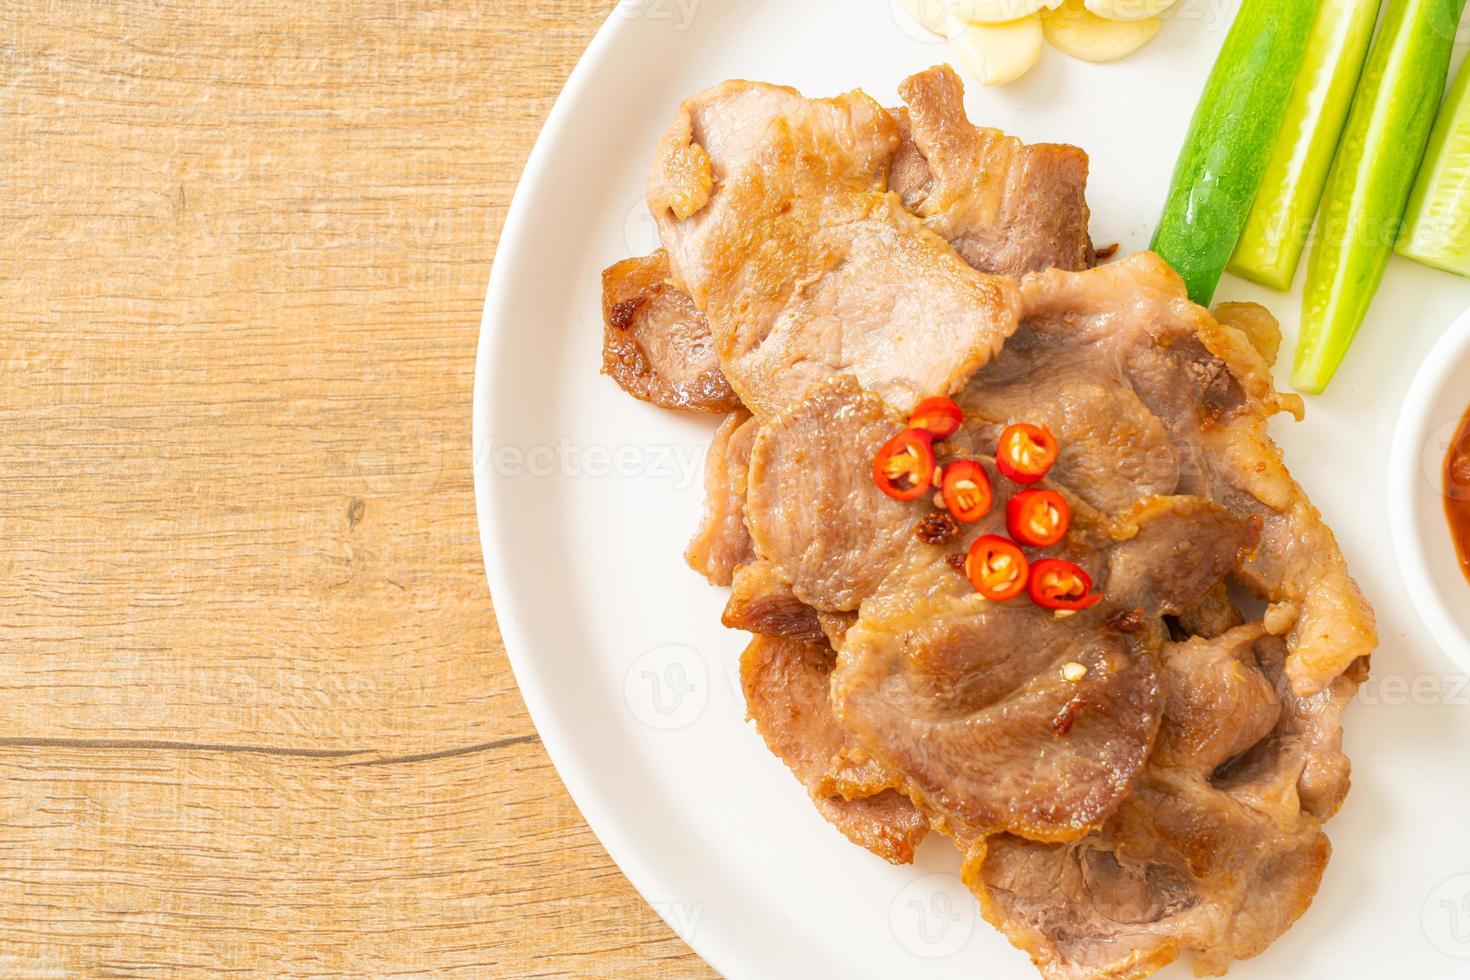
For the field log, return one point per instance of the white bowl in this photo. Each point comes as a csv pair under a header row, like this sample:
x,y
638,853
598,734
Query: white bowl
x,y
1433,409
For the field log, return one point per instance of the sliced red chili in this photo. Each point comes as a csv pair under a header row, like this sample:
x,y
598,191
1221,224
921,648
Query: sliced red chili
x,y
1026,453
904,467
997,568
1038,518
966,490
1061,585
940,417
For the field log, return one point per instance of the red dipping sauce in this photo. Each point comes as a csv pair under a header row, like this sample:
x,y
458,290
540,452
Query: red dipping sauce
x,y
1457,492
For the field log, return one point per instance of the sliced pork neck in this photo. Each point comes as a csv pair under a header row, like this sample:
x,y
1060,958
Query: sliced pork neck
x,y
762,602
1127,784
786,694
656,343
961,696
812,506
778,222
1218,850
1006,207
1149,394
970,700
722,542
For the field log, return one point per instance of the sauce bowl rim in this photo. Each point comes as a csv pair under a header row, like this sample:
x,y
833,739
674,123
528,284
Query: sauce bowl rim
x,y
1418,529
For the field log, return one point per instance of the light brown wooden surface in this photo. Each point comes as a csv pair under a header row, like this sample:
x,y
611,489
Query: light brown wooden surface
x,y
254,711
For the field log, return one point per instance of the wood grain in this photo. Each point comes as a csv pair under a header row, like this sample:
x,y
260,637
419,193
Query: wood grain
x,y
254,712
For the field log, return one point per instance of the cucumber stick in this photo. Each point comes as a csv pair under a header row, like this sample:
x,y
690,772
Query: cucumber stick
x,y
1276,232
1371,178
1231,139
1437,226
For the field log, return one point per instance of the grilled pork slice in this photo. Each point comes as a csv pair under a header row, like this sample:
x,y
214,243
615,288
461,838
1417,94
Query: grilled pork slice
x,y
775,214
1219,848
722,542
1214,614
1149,394
966,699
812,504
977,704
835,626
785,684
1258,325
656,344
761,602
1006,207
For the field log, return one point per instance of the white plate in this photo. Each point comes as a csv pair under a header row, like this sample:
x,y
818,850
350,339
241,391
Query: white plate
x,y
586,499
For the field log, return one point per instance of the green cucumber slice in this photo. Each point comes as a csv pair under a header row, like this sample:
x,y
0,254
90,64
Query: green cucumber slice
x,y
1371,178
1276,232
1231,139
1437,229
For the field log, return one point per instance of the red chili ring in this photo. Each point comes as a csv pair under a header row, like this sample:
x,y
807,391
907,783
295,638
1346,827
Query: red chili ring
x,y
904,467
966,490
1038,518
997,568
1061,585
939,416
1026,453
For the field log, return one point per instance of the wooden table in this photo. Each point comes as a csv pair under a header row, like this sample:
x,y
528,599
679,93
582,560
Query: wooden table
x,y
254,711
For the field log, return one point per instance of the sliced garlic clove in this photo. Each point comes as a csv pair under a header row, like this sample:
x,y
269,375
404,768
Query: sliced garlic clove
x,y
994,54
1074,30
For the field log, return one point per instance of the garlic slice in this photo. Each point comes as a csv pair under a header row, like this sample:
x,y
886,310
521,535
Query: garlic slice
x,y
1072,29
994,54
